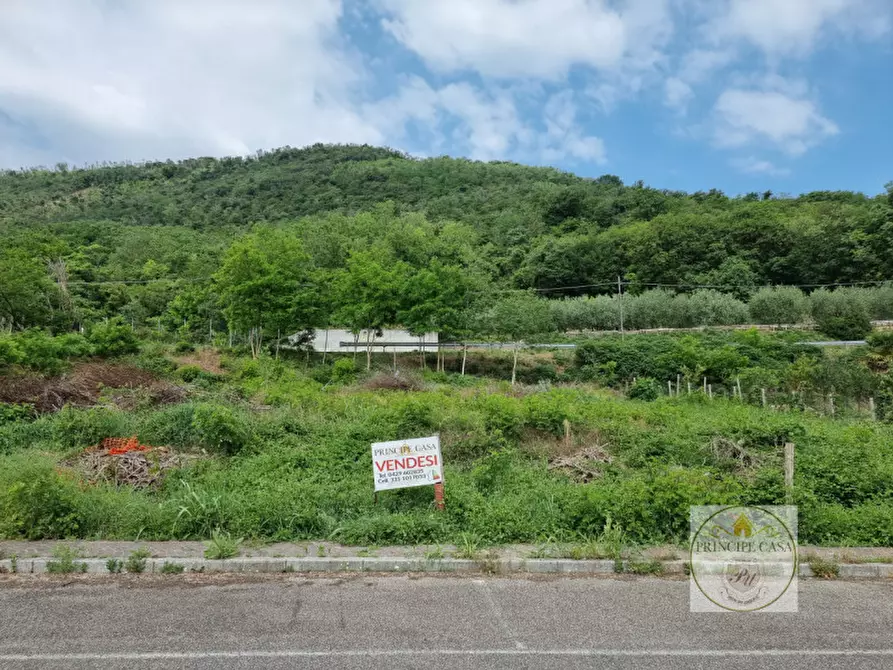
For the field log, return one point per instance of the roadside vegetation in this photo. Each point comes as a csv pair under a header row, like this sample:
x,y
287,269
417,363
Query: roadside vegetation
x,y
279,449
156,380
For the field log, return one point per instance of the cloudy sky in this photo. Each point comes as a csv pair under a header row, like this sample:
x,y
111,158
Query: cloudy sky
x,y
792,95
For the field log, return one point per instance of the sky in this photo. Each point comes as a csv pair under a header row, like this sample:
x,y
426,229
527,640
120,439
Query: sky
x,y
740,95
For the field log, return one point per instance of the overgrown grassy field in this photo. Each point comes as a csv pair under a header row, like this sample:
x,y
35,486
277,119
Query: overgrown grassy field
x,y
282,453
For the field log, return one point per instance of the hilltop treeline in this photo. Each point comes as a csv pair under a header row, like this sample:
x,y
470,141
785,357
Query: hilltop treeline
x,y
72,237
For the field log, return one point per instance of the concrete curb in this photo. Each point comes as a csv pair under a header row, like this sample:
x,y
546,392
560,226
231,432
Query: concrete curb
x,y
397,565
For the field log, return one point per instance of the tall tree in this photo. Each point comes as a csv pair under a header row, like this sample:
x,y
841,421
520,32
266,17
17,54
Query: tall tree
x,y
265,285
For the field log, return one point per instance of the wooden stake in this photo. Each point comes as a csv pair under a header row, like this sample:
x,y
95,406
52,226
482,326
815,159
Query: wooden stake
x,y
831,403
710,390
689,388
670,388
763,396
738,384
464,356
567,433
705,385
871,409
789,471
678,383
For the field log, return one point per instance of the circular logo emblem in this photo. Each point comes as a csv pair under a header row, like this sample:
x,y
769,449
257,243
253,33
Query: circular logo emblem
x,y
742,558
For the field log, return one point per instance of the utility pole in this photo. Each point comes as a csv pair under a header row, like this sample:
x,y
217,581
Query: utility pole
x,y
620,298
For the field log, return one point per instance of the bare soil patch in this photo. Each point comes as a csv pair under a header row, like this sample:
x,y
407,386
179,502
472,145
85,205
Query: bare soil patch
x,y
83,385
207,359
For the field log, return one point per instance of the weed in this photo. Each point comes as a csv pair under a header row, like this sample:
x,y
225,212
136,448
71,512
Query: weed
x,y
288,568
469,546
114,565
172,568
222,545
321,551
136,562
434,554
64,562
14,564
644,566
825,568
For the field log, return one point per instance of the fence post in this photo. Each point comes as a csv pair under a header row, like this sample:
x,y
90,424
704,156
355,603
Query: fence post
x,y
789,472
689,388
567,433
763,396
670,388
710,390
872,409
831,403
738,384
678,384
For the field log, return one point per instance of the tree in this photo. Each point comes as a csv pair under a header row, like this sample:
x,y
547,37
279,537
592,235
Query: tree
x,y
435,299
368,294
516,316
27,296
265,285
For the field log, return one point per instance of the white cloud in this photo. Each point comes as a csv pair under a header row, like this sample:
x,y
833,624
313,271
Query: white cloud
x,y
793,27
750,116
97,80
529,38
753,165
677,93
486,124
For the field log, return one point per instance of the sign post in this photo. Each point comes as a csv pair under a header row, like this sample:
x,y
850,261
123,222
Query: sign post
x,y
404,463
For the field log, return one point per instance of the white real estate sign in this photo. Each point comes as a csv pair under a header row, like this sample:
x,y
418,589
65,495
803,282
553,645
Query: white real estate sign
x,y
402,463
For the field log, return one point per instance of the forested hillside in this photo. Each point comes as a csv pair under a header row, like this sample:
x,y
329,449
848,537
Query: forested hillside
x,y
70,237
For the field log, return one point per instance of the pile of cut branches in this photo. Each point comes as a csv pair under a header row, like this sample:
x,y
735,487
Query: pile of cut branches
x,y
123,461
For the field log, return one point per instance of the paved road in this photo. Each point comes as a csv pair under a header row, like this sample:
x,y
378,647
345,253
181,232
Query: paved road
x,y
400,623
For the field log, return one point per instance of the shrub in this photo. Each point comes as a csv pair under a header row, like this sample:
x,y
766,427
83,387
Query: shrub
x,y
778,305
114,565
708,307
113,338
219,429
41,351
825,568
136,562
36,502
10,353
183,347
344,370
63,562
189,373
881,342
645,388
840,314
172,568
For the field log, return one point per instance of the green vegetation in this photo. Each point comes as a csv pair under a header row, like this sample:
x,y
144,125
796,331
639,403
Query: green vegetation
x,y
302,467
114,566
118,282
826,568
222,545
136,562
172,568
64,561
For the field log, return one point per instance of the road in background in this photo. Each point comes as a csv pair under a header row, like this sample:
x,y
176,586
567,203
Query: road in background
x,y
403,622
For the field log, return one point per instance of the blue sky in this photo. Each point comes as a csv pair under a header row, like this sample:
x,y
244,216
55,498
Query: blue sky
x,y
741,95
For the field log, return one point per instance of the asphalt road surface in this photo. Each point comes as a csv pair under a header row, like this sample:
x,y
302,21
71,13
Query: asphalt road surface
x,y
399,622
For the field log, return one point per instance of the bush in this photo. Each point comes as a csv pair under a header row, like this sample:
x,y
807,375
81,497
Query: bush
x,y
881,342
778,305
189,373
136,562
113,338
219,429
183,347
344,370
10,353
645,388
840,314
36,503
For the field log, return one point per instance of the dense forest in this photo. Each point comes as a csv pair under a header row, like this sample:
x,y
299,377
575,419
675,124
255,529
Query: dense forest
x,y
168,243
